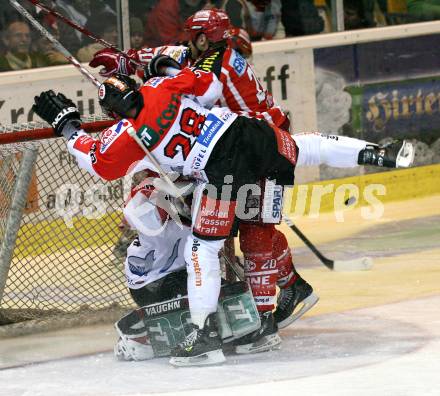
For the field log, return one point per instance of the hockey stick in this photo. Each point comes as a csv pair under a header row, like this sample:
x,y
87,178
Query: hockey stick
x,y
78,65
82,29
54,41
48,132
360,264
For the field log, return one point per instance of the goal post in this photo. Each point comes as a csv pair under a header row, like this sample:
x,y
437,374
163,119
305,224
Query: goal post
x,y
62,247
60,234
17,205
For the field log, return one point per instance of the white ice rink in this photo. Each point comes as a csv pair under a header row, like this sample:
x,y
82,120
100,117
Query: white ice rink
x,y
387,350
373,333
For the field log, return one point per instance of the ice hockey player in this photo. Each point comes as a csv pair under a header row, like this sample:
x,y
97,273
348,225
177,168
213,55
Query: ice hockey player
x,y
222,150
154,265
261,243
239,40
156,275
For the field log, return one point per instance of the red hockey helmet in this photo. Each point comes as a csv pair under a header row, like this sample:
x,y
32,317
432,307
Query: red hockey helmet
x,y
214,23
239,40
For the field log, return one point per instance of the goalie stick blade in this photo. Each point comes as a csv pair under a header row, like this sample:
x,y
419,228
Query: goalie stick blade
x,y
360,264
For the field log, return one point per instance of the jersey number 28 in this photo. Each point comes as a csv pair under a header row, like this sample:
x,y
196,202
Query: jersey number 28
x,y
190,125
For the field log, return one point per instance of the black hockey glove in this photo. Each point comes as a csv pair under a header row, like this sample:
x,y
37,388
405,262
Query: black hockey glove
x,y
153,69
57,110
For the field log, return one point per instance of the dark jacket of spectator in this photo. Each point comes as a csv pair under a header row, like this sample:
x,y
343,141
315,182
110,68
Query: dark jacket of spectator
x,y
300,17
164,24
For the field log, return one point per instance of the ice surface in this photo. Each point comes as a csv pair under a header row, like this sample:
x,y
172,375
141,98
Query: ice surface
x,y
387,350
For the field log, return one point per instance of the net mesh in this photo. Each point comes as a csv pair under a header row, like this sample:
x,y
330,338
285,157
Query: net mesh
x,y
69,253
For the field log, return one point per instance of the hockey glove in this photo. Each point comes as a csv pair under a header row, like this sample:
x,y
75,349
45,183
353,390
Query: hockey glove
x,y
114,62
156,67
57,110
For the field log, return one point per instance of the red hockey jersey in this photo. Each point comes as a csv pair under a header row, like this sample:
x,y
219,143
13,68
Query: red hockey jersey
x,y
179,132
242,92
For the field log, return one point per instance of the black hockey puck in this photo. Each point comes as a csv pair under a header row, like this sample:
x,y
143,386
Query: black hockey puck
x,y
350,201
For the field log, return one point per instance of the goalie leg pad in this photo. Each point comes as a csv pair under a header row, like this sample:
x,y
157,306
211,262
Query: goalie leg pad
x,y
136,349
133,342
168,323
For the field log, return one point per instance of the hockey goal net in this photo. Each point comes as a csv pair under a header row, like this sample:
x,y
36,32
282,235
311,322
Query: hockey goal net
x,y
62,250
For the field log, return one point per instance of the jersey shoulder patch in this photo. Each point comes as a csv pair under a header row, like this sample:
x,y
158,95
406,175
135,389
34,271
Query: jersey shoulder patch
x,y
154,81
238,63
110,135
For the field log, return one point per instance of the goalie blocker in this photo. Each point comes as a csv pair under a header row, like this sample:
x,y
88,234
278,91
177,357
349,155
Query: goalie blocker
x,y
154,330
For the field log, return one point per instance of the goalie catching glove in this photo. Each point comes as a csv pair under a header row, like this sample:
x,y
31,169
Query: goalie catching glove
x,y
57,110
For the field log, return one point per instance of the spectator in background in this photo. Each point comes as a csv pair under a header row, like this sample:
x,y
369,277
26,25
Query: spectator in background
x,y
164,24
78,11
424,10
18,55
104,27
358,14
44,47
300,17
238,12
136,33
265,16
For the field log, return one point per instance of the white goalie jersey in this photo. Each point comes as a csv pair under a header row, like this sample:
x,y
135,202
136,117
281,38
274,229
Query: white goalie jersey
x,y
158,249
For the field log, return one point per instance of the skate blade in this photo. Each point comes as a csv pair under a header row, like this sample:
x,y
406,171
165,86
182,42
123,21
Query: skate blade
x,y
307,304
271,342
405,157
205,359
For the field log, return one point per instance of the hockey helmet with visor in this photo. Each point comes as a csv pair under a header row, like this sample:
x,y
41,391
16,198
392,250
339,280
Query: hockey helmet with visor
x,y
118,95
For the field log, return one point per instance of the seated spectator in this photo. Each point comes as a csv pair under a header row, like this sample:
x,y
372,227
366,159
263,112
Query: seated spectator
x,y
103,27
265,16
238,12
424,10
43,46
77,11
18,55
136,33
358,14
164,24
300,17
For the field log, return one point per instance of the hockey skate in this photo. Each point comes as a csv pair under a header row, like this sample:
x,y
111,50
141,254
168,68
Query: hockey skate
x,y
396,154
264,339
201,347
133,348
293,302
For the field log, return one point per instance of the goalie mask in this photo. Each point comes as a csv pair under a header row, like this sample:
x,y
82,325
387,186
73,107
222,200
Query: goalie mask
x,y
118,95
